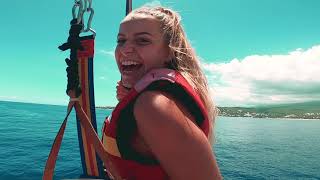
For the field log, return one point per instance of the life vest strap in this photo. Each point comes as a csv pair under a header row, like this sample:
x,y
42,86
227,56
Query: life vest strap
x,y
88,129
51,161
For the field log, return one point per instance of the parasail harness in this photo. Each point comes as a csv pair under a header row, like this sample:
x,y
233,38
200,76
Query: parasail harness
x,y
80,88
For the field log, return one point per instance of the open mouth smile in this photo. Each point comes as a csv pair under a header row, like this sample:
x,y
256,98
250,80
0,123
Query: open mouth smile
x,y
129,66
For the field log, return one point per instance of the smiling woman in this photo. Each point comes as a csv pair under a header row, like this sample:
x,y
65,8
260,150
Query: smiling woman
x,y
140,48
162,125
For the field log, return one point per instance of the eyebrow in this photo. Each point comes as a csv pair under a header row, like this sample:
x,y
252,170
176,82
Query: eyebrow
x,y
137,34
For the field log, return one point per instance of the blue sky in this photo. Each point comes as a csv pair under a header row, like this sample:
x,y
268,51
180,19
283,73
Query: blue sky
x,y
253,52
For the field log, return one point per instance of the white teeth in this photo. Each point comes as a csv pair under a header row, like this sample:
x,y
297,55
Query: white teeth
x,y
126,63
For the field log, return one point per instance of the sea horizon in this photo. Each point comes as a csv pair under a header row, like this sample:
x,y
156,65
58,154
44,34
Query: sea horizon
x,y
220,114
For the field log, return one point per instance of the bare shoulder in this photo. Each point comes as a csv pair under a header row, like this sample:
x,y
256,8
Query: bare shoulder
x,y
154,98
169,132
156,109
160,116
150,103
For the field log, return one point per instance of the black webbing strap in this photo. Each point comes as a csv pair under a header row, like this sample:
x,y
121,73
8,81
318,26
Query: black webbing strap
x,y
73,43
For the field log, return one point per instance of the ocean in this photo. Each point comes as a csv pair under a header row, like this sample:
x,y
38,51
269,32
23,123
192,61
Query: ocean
x,y
246,148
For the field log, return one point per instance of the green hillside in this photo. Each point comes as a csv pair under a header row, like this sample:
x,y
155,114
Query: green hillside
x,y
292,108
307,110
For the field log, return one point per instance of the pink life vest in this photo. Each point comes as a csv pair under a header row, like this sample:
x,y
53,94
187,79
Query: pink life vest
x,y
124,162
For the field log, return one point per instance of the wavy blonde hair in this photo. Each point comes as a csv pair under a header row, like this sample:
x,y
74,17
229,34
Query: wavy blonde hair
x,y
185,59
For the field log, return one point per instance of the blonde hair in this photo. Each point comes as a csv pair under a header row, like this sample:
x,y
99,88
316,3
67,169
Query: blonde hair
x,y
185,60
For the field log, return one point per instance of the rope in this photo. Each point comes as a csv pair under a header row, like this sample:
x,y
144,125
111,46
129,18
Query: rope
x,y
73,43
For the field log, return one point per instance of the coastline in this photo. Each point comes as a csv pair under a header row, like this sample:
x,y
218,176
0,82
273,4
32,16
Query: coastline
x,y
289,113
252,113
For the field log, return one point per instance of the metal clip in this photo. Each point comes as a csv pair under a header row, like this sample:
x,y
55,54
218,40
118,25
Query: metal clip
x,y
78,4
79,8
89,20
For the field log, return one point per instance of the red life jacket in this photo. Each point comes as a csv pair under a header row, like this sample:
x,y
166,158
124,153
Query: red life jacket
x,y
118,128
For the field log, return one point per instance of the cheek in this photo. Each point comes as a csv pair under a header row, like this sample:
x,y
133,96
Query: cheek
x,y
160,57
151,55
117,56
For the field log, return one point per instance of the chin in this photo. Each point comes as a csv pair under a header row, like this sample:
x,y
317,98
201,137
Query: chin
x,y
127,85
129,80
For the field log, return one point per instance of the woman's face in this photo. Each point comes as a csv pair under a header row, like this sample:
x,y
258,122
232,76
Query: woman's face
x,y
141,47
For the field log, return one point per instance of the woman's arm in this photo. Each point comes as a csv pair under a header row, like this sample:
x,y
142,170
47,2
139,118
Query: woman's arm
x,y
180,146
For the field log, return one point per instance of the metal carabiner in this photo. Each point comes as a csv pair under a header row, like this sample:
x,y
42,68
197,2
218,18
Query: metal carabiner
x,y
89,21
83,6
87,4
78,4
93,32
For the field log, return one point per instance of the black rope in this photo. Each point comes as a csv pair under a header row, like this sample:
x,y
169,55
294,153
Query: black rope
x,y
74,44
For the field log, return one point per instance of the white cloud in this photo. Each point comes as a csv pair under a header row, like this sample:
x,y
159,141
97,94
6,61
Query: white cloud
x,y
259,79
109,53
9,98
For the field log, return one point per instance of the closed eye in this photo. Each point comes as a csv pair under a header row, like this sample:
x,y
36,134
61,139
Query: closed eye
x,y
120,42
140,41
143,41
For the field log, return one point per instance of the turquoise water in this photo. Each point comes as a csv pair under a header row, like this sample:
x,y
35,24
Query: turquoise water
x,y
246,148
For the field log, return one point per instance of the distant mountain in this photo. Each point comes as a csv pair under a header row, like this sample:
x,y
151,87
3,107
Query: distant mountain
x,y
306,110
305,107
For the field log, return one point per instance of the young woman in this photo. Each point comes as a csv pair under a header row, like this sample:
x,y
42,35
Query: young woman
x,y
162,125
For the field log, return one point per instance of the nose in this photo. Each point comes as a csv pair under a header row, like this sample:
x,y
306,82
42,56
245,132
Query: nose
x,y
127,48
